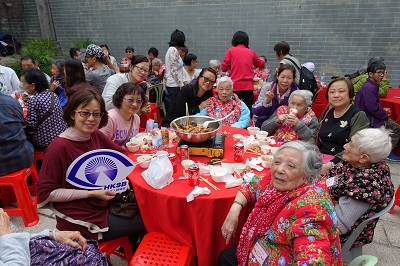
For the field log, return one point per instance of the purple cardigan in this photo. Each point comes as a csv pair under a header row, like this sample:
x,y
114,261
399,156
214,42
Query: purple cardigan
x,y
263,113
367,99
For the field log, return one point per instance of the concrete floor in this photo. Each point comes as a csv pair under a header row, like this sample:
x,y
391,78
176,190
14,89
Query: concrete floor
x,y
386,244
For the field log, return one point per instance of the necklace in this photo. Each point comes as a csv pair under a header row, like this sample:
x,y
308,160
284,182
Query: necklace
x,y
95,148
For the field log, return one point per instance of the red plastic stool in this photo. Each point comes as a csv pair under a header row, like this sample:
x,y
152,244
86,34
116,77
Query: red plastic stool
x,y
154,110
111,246
26,205
37,156
396,201
160,249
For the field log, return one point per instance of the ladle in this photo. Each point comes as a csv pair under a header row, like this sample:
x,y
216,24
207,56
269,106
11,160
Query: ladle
x,y
205,124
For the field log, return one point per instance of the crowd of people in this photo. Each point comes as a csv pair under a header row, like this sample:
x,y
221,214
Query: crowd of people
x,y
298,217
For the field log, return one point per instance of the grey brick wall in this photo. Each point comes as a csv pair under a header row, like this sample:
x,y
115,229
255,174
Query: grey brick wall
x,y
339,36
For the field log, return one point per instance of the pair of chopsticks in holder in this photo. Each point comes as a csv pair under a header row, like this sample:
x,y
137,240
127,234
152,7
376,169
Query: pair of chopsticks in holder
x,y
187,115
209,183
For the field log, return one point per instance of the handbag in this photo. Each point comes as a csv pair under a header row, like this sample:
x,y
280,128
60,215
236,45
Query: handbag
x,y
124,204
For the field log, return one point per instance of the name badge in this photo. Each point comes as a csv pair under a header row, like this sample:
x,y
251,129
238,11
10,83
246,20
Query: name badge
x,y
259,253
332,181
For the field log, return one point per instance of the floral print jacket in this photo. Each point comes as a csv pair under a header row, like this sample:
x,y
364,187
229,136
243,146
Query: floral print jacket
x,y
305,232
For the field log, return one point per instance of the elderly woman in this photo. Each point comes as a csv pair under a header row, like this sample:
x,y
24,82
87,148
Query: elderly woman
x,y
216,65
123,121
44,118
293,221
339,122
197,96
275,94
228,103
360,184
75,208
295,121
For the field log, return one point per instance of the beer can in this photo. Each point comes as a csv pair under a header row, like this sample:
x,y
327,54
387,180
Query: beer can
x,y
194,175
238,152
184,152
174,161
164,136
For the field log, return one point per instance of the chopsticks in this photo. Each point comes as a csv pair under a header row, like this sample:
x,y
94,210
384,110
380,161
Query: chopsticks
x,y
187,115
209,183
147,159
255,153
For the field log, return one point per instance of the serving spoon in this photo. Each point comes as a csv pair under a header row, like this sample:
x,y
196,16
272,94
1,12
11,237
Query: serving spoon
x,y
205,124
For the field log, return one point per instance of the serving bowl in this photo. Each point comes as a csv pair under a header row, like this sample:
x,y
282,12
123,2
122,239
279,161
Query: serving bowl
x,y
195,120
132,146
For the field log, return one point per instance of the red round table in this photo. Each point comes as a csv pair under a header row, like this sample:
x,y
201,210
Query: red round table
x,y
197,223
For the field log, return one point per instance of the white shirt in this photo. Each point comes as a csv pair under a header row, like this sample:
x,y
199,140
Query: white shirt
x,y
9,78
173,68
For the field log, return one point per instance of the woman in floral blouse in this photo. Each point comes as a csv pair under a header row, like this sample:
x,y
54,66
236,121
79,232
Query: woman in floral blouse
x,y
360,185
227,103
287,125
293,221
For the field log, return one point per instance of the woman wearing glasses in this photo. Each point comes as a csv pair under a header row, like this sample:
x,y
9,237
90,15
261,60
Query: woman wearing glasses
x,y
123,121
196,96
78,209
139,70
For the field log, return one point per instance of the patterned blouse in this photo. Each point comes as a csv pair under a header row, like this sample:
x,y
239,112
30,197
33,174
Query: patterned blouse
x,y
371,184
305,232
43,134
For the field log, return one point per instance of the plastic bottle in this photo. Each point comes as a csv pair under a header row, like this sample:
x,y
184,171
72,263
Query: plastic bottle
x,y
218,116
156,139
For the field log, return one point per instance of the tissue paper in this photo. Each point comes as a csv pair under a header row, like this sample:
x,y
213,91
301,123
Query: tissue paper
x,y
196,192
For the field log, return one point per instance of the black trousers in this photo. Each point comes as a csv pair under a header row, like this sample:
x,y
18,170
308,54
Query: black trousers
x,y
247,97
227,257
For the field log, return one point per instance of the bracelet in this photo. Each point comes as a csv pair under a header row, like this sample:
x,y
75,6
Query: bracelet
x,y
239,203
54,233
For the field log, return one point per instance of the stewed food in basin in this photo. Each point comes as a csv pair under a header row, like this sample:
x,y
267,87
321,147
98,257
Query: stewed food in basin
x,y
193,130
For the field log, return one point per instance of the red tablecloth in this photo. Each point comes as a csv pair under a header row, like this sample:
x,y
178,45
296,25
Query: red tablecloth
x,y
392,101
197,223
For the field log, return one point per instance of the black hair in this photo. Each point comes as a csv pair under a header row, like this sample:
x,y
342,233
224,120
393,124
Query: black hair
x,y
189,58
72,52
130,48
34,75
286,67
282,48
196,85
154,51
375,66
128,88
177,38
28,57
104,45
264,57
349,85
74,73
240,37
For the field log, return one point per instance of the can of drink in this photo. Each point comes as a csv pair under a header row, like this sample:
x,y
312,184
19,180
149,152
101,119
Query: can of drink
x,y
184,152
164,136
293,111
238,152
174,161
194,175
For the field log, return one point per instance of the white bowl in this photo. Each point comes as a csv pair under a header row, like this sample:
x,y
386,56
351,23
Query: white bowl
x,y
217,173
261,134
237,138
274,149
186,164
159,153
265,141
146,160
239,167
132,146
228,167
265,149
266,161
252,130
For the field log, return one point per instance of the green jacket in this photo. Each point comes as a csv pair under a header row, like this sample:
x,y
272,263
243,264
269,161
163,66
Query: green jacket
x,y
361,79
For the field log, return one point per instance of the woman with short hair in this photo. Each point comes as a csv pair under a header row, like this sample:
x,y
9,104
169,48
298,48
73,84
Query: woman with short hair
x,y
293,221
295,121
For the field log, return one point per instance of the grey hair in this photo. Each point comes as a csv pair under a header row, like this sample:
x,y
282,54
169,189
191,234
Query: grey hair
x,y
306,95
312,161
157,61
225,79
374,142
214,63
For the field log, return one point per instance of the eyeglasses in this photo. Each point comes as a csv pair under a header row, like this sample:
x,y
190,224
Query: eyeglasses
x,y
88,114
132,101
207,80
142,70
380,73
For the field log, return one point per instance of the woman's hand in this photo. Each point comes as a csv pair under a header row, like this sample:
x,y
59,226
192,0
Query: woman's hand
x,y
280,119
204,104
270,94
54,85
5,227
72,238
292,120
326,167
101,194
231,222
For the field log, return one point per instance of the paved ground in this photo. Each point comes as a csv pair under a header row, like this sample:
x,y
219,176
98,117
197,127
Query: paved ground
x,y
386,244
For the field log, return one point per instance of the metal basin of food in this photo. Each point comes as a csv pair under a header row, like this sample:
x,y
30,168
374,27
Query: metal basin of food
x,y
199,120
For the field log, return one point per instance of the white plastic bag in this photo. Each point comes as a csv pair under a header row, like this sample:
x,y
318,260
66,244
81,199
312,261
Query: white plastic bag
x,y
159,173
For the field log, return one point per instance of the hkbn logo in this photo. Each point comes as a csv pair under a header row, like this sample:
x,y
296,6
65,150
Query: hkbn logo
x,y
100,169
